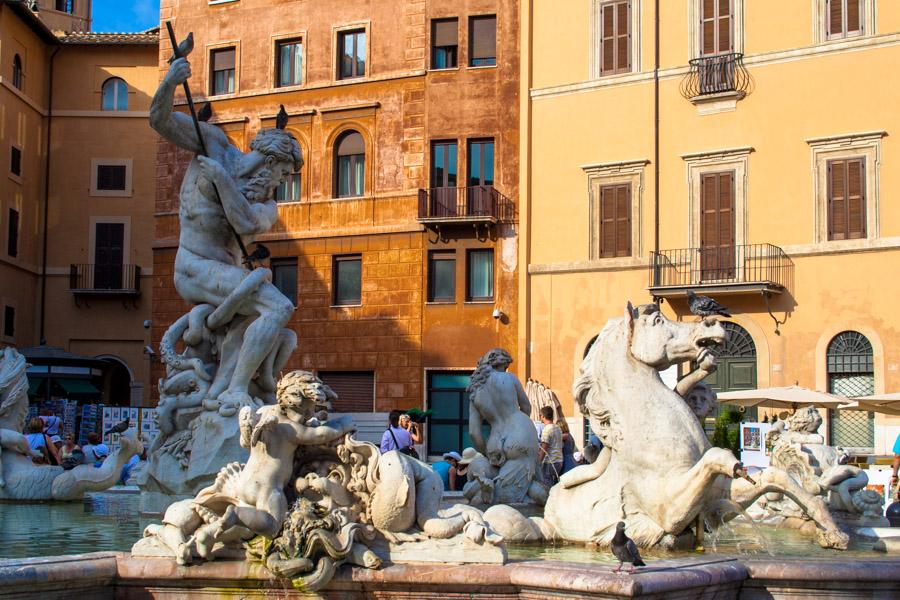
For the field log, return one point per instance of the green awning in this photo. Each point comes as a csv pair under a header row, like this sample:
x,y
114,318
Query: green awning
x,y
33,385
77,386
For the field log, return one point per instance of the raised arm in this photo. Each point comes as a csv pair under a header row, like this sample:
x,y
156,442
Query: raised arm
x,y
324,434
178,127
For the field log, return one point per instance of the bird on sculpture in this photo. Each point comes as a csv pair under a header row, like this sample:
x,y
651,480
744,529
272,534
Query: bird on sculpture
x,y
259,253
184,48
120,427
704,306
625,549
205,113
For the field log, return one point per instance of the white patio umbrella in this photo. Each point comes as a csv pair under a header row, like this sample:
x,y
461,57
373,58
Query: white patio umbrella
x,y
888,404
791,397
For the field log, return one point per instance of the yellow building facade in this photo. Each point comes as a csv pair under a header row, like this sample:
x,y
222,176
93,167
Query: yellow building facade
x,y
743,150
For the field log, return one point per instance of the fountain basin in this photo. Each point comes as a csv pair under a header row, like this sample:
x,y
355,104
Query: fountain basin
x,y
102,576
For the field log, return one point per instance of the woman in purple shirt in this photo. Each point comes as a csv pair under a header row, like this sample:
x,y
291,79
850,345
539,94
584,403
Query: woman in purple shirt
x,y
395,437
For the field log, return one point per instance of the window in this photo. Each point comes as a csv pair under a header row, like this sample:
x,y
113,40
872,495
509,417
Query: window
x,y
12,233
111,177
9,322
717,226
289,190
615,37
844,18
444,43
114,94
15,161
284,277
448,399
615,220
109,256
847,199
482,41
289,55
443,164
347,277
442,276
351,54
481,162
355,390
716,31
222,71
67,6
350,165
18,77
480,265
851,372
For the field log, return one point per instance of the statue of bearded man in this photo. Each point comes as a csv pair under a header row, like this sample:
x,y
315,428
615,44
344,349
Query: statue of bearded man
x,y
225,195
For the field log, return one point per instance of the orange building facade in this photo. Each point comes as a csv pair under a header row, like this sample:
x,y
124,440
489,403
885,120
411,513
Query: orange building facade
x,y
397,240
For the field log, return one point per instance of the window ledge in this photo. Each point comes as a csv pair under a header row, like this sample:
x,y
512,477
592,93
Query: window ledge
x,y
491,301
445,69
227,96
275,89
345,305
709,98
476,67
440,302
111,193
16,178
287,202
216,2
349,198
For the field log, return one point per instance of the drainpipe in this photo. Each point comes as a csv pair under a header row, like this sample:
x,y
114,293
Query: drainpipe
x,y
656,130
43,339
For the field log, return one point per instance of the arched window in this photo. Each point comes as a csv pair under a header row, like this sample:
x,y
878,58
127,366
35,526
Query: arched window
x,y
18,77
736,370
115,94
850,364
349,165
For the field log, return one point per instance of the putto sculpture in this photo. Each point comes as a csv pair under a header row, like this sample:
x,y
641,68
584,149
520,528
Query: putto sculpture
x,y
20,478
311,497
496,396
657,472
226,352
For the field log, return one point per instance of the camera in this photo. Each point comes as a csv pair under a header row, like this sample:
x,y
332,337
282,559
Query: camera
x,y
497,313
147,323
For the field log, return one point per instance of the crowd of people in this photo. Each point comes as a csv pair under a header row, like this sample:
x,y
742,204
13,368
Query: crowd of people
x,y
557,450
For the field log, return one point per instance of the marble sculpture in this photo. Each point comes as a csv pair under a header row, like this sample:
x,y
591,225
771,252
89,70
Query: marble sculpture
x,y
657,472
225,353
22,479
496,396
311,497
798,449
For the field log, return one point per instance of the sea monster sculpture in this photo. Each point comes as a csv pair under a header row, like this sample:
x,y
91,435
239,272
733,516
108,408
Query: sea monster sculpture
x,y
22,479
659,473
311,498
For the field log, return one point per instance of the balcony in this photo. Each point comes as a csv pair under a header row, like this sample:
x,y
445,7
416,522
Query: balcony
x,y
105,280
754,268
475,204
716,77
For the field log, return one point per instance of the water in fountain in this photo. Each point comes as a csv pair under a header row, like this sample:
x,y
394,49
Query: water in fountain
x,y
717,524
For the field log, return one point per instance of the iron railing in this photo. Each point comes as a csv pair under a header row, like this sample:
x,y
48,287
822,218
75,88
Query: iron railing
x,y
464,204
101,278
715,75
728,265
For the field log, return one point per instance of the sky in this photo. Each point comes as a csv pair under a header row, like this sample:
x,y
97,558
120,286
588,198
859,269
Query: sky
x,y
125,15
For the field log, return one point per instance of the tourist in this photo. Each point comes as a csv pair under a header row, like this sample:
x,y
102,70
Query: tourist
x,y
551,448
70,454
395,437
895,490
568,448
447,469
95,452
37,440
414,429
592,449
128,467
51,422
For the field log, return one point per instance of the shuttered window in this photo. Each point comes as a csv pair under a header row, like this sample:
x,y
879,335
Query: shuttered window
x,y
844,18
847,199
221,77
284,277
615,220
482,41
355,390
716,24
12,233
444,43
15,161
111,177
615,37
717,259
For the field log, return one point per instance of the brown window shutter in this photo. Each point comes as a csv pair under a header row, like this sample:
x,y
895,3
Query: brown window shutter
x,y
854,23
708,209
445,33
608,39
708,27
623,56
856,198
607,221
835,17
623,220
484,37
726,209
724,25
355,390
837,200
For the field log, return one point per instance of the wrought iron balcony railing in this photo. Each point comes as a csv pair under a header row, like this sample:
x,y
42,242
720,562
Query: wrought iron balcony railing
x,y
753,267
715,75
480,203
101,279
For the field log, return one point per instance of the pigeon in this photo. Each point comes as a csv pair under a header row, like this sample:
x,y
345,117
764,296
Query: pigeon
x,y
205,113
184,48
259,253
625,550
120,427
704,306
